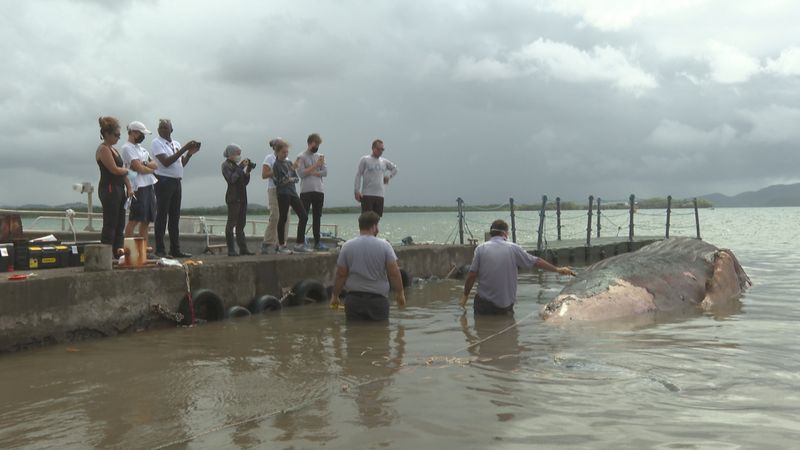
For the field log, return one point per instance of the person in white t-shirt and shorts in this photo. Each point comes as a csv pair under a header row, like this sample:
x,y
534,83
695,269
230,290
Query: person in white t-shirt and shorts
x,y
142,167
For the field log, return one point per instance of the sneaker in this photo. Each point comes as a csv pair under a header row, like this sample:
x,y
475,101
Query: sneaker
x,y
266,249
301,248
161,254
180,254
284,250
321,247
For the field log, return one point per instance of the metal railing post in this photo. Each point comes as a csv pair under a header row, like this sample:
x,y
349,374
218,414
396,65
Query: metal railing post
x,y
630,222
460,220
696,218
589,222
541,224
669,214
513,222
558,216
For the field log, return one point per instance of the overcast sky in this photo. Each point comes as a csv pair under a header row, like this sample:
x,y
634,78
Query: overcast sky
x,y
484,100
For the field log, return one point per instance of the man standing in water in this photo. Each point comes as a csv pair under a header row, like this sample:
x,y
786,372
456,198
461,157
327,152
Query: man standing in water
x,y
171,158
374,171
366,267
495,266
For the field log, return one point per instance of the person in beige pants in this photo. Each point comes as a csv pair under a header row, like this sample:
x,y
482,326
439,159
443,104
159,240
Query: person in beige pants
x,y
270,244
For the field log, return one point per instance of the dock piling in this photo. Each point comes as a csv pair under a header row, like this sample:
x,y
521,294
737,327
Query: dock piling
x,y
589,222
460,220
513,222
669,213
558,216
541,224
696,218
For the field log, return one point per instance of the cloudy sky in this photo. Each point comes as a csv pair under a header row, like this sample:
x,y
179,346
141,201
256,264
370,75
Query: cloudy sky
x,y
479,99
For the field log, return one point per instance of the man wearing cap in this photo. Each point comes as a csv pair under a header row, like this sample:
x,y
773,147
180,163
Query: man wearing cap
x,y
171,158
374,171
495,266
142,167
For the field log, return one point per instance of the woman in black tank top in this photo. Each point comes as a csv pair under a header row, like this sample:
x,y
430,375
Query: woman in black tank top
x,y
114,187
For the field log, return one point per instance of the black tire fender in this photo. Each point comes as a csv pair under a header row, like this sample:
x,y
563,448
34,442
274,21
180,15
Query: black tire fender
x,y
406,277
264,303
208,306
307,291
236,311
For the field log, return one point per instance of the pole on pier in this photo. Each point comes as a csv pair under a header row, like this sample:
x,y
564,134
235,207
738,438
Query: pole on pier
x,y
696,218
669,214
460,220
598,216
513,222
589,222
558,216
541,224
630,222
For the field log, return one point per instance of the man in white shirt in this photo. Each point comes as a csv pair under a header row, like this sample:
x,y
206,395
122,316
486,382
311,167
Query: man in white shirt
x,y
270,243
142,167
495,266
171,158
373,173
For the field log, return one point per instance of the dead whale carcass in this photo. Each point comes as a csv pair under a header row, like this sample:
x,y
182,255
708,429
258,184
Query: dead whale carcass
x,y
673,275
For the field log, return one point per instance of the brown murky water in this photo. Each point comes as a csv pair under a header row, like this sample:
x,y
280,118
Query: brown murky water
x,y
430,378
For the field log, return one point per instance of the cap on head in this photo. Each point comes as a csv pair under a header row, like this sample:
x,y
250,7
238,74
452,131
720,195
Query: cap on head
x,y
231,149
138,126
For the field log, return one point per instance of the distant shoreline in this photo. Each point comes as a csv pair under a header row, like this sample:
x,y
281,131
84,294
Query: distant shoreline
x,y
657,203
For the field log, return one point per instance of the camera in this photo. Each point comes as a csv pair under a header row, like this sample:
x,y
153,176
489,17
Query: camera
x,y
251,165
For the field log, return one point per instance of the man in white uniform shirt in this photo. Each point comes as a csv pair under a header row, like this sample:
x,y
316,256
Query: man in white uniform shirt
x,y
171,158
374,171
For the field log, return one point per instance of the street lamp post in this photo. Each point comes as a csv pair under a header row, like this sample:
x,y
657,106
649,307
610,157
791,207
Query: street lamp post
x,y
86,188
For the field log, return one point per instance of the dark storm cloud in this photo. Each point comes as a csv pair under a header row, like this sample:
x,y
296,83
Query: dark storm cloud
x,y
482,100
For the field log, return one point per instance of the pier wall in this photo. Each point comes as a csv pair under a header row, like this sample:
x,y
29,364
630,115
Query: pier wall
x,y
62,305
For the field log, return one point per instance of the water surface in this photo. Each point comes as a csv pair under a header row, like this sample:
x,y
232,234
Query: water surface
x,y
434,377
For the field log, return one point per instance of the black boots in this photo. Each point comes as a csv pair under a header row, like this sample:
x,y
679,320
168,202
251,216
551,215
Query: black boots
x,y
231,246
242,246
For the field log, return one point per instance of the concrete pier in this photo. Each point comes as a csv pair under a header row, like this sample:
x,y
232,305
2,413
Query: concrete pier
x,y
62,305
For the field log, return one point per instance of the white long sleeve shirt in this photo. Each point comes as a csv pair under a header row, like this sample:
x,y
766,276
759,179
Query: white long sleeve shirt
x,y
370,174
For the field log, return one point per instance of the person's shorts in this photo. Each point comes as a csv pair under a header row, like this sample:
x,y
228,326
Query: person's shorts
x,y
484,307
366,306
143,207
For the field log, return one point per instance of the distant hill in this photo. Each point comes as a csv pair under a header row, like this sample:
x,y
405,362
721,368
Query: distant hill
x,y
776,195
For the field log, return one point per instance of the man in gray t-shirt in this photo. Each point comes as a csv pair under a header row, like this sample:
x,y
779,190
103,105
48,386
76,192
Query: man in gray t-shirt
x,y
366,268
495,266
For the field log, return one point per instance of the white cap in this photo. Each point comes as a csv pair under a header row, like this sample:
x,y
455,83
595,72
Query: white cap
x,y
138,126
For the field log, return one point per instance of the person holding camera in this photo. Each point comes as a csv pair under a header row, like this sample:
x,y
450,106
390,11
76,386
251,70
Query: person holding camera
x,y
285,177
171,158
236,172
